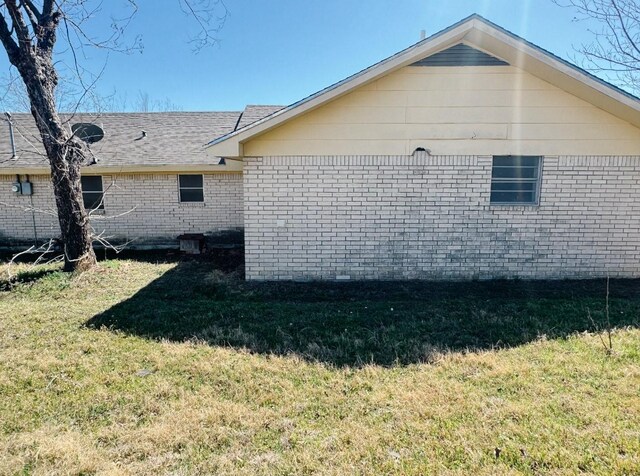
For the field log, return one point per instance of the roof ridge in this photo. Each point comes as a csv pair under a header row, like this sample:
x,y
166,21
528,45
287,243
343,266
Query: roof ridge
x,y
264,105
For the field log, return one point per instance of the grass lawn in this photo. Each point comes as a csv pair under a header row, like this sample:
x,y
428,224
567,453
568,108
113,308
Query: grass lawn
x,y
180,368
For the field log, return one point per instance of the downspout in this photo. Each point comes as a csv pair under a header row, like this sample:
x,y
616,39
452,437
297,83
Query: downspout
x,y
33,218
14,156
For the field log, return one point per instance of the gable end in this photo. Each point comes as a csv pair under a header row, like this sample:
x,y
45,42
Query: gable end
x,y
461,55
477,43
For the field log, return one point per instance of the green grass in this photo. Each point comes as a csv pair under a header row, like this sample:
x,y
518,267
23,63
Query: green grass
x,y
180,368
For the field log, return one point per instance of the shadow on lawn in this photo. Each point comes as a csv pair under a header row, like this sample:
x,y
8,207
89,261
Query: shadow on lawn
x,y
358,323
7,282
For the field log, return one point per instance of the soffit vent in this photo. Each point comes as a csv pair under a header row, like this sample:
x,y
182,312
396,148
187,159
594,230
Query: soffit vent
x,y
461,55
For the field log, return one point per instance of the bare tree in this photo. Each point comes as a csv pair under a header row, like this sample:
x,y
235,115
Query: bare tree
x,y
29,38
144,103
29,30
615,49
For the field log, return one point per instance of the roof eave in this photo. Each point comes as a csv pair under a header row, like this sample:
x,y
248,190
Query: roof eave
x,y
231,166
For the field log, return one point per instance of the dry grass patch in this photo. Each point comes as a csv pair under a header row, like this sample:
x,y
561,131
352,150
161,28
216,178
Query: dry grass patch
x,y
170,368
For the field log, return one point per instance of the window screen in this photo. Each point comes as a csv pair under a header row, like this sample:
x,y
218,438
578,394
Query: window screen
x,y
92,192
515,179
191,188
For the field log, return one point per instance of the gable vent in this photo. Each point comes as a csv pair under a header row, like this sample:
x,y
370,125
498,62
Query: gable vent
x,y
461,55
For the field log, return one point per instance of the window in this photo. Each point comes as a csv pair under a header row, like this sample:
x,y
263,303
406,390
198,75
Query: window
x,y
191,188
515,179
92,192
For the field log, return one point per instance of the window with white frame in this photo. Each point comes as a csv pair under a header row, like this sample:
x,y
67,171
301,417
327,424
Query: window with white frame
x,y
191,188
515,179
92,192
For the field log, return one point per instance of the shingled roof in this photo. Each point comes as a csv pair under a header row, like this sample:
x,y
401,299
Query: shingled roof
x,y
172,138
253,113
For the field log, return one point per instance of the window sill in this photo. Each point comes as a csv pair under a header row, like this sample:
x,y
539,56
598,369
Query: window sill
x,y
96,212
514,205
192,204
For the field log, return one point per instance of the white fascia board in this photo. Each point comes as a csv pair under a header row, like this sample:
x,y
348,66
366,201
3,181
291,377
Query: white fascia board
x,y
231,166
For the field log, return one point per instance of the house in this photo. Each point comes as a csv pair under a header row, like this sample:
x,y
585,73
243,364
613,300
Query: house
x,y
148,180
472,154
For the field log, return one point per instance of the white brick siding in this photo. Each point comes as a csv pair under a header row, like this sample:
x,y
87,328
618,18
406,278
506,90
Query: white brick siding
x,y
158,217
402,217
16,216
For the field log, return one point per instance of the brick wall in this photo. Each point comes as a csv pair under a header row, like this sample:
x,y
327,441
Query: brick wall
x,y
158,217
427,217
23,217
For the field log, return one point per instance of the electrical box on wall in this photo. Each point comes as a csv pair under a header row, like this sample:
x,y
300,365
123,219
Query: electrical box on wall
x,y
27,188
22,188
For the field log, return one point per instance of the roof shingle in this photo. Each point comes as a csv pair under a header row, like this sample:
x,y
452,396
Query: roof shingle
x,y
172,138
253,113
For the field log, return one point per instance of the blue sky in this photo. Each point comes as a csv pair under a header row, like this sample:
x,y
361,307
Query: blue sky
x,y
276,52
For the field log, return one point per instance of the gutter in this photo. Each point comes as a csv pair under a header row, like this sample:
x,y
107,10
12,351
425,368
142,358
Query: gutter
x,y
231,167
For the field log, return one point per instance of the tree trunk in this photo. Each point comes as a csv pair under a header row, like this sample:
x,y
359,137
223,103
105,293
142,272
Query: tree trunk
x,y
72,216
66,154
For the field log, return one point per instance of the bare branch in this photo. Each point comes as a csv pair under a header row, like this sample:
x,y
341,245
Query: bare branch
x,y
210,15
30,209
32,9
47,7
104,241
32,13
22,31
7,41
76,18
616,45
41,250
622,23
49,21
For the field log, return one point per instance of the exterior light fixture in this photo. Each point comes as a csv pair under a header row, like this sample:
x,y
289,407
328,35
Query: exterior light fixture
x,y
422,149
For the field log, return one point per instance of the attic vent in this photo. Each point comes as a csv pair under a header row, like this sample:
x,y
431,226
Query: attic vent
x,y
90,133
460,55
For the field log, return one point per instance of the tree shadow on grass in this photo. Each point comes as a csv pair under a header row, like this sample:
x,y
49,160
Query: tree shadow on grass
x,y
7,282
226,260
359,323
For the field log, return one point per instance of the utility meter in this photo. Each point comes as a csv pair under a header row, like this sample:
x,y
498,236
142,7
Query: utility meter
x,y
26,188
16,187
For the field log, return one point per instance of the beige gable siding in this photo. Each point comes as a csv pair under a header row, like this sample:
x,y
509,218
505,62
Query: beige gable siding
x,y
453,110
